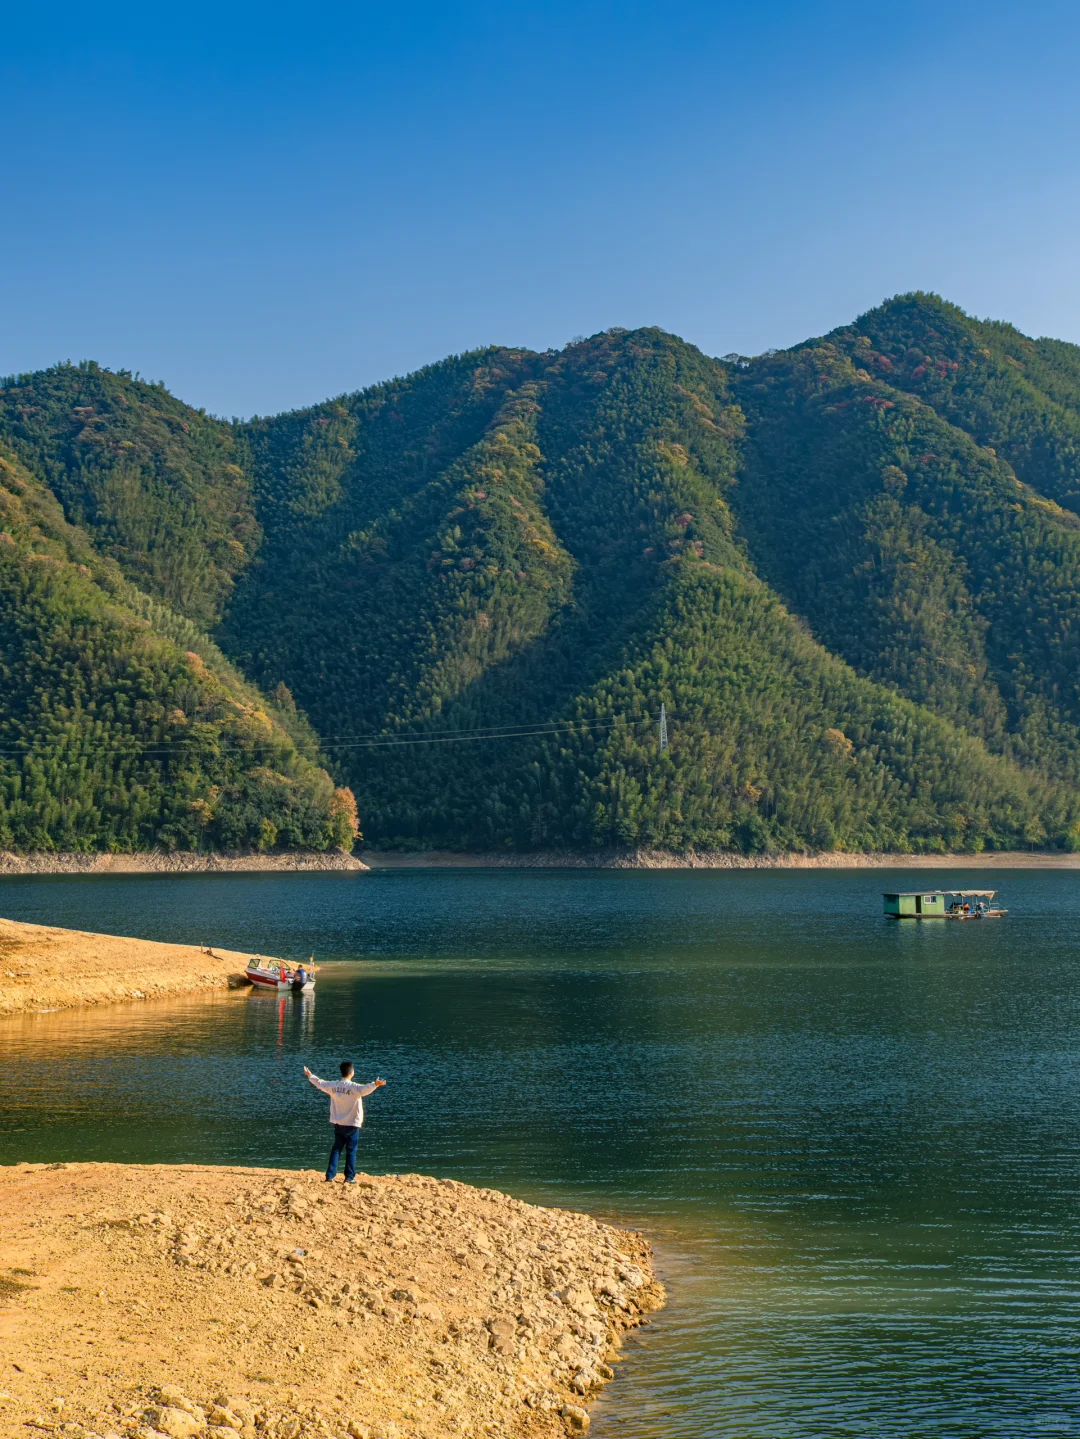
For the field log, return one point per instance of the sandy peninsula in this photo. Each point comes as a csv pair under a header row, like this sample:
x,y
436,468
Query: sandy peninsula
x,y
44,968
140,1301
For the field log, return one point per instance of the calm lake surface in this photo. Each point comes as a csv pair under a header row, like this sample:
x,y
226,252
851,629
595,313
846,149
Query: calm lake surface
x,y
855,1143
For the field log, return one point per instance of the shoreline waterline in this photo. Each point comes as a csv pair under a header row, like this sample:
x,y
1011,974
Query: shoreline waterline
x,y
337,862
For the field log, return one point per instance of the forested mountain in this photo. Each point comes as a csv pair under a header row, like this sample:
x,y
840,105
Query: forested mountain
x,y
849,571
916,553
122,727
156,483
1020,396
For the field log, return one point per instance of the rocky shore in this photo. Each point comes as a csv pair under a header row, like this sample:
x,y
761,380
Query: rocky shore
x,y
177,862
43,968
309,863
718,859
142,1301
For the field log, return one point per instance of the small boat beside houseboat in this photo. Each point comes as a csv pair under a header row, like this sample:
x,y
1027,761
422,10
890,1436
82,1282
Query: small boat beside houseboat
x,y
944,904
281,975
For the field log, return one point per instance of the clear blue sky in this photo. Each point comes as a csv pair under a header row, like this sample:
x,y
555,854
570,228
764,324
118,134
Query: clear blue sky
x,y
262,205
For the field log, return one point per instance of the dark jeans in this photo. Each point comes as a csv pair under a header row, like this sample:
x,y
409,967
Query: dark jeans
x,y
347,1137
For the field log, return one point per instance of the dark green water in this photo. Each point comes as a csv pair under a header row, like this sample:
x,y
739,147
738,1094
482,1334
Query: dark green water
x,y
856,1143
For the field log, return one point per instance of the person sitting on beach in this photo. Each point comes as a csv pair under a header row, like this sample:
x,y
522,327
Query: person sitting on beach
x,y
346,1115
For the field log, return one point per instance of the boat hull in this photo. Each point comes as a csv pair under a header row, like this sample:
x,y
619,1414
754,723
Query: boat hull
x,y
990,914
274,984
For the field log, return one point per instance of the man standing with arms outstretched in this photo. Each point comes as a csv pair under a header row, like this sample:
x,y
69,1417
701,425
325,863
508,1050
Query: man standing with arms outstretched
x,y
346,1115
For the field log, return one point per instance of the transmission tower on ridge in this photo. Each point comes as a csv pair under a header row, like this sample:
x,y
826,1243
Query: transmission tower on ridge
x,y
663,728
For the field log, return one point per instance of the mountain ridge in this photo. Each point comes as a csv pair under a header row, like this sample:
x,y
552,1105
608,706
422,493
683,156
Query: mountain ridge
x,y
848,569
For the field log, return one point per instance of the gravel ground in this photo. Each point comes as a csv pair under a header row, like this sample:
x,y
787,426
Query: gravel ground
x,y
147,1300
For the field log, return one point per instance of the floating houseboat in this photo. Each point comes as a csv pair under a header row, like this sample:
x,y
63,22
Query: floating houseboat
x,y
280,975
944,904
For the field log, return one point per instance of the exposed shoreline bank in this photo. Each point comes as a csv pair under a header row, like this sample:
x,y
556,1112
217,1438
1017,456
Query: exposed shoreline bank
x,y
44,968
404,1307
177,862
339,862
665,859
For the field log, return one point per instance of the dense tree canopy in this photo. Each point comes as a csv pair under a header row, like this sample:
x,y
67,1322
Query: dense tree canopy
x,y
850,571
156,483
123,728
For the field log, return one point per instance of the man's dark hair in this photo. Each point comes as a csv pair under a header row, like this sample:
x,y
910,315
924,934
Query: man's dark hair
x,y
346,1067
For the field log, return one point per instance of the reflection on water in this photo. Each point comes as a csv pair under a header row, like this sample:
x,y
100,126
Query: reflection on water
x,y
855,1142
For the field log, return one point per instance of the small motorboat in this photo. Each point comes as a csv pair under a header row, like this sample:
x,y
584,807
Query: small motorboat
x,y
281,975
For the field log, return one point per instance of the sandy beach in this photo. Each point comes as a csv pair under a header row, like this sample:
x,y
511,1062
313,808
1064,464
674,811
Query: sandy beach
x,y
239,1303
45,968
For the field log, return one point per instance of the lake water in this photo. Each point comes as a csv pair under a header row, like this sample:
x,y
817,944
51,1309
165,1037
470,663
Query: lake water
x,y
855,1143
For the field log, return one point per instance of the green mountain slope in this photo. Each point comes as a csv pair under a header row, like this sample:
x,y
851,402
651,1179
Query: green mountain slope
x,y
1021,396
915,553
390,576
121,727
566,564
849,571
156,483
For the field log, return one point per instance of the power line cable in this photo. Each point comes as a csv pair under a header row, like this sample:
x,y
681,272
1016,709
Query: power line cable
x,y
169,749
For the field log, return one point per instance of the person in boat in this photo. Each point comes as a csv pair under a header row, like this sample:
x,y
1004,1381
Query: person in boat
x,y
300,978
346,1115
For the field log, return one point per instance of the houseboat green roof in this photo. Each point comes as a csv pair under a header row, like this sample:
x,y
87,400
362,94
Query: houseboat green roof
x,y
962,893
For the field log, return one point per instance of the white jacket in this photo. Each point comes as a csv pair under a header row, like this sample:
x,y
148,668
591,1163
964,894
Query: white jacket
x,y
346,1099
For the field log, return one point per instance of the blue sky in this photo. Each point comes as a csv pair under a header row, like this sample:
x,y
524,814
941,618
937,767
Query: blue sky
x,y
263,205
